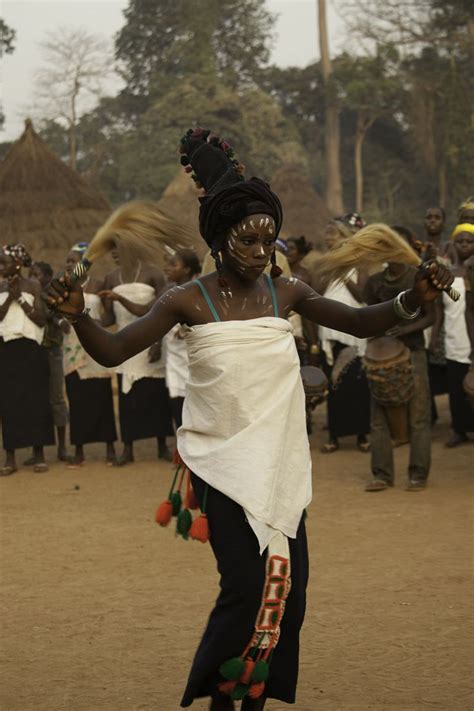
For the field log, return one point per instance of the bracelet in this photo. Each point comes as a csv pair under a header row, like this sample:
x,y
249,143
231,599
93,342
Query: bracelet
x,y
21,300
74,318
314,349
401,310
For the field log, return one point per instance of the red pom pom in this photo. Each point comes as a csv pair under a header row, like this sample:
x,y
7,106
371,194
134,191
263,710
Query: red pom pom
x,y
256,690
200,529
247,674
164,513
275,271
188,169
190,500
227,687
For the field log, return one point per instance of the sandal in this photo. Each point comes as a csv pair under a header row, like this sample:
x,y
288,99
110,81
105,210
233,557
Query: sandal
x,y
8,470
329,448
41,467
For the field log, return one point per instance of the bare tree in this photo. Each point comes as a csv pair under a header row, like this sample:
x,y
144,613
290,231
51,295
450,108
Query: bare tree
x,y
332,132
76,65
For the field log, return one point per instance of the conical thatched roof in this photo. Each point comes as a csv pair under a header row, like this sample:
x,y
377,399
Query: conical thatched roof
x,y
180,202
304,211
43,203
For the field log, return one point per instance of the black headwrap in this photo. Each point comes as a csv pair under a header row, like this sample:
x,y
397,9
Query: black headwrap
x,y
229,197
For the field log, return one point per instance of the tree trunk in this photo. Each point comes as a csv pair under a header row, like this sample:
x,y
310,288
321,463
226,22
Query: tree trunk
x,y
332,137
72,126
442,185
358,171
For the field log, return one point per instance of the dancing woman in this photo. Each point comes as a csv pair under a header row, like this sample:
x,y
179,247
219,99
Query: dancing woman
x,y
244,429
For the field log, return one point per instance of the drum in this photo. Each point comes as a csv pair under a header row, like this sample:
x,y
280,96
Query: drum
x,y
315,386
389,371
468,385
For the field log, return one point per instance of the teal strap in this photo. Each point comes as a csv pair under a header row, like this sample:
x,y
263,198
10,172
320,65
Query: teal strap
x,y
272,292
208,300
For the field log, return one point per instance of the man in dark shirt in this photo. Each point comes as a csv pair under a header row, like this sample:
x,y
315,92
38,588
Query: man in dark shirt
x,y
380,287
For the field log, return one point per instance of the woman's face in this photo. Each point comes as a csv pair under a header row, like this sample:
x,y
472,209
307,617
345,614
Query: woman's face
x,y
292,255
464,244
249,246
176,270
434,221
8,266
467,216
72,259
331,236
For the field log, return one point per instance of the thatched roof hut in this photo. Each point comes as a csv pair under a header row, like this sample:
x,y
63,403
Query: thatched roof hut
x,y
43,203
304,211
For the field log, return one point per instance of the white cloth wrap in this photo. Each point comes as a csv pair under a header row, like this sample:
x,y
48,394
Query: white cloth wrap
x,y
74,356
244,421
139,365
456,340
338,291
176,360
16,323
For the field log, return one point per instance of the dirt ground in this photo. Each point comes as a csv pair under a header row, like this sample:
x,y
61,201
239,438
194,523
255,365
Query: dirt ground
x,y
101,609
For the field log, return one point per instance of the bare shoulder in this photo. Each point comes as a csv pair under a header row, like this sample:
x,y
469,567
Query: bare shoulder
x,y
111,279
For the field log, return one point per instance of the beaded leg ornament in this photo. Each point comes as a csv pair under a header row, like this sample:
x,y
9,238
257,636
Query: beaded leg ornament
x,y
246,675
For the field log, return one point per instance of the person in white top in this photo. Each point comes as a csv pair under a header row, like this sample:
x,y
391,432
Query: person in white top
x,y
24,371
348,402
88,384
144,406
456,339
182,267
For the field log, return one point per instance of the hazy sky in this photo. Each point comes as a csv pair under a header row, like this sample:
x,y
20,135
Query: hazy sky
x,y
296,40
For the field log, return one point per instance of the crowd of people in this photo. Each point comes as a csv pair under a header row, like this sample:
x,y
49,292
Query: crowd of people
x,y
49,380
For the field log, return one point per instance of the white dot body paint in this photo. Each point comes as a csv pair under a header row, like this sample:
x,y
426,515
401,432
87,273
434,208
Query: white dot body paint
x,y
252,224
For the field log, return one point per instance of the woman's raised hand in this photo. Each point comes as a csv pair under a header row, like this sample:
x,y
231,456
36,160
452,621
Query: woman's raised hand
x,y
431,280
64,296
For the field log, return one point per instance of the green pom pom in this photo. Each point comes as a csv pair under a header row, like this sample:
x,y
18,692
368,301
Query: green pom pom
x,y
261,671
239,692
183,524
176,502
232,669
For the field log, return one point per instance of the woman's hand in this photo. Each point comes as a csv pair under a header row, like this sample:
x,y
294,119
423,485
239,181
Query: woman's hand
x,y
431,280
14,287
64,296
109,294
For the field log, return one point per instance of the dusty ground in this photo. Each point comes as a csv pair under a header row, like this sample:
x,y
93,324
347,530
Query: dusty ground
x,y
101,609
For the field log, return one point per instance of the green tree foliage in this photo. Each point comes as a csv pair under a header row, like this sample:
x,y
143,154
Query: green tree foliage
x,y
7,38
163,42
129,161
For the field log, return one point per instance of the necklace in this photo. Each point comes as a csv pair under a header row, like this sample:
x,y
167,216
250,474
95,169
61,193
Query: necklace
x,y
136,275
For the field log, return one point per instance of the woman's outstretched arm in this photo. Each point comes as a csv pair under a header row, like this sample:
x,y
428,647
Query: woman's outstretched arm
x,y
111,349
371,320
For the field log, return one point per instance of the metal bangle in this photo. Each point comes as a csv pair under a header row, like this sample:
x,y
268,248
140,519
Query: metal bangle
x,y
76,317
401,310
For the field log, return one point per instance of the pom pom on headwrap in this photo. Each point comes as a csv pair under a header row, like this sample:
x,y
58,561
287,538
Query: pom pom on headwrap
x,y
18,253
